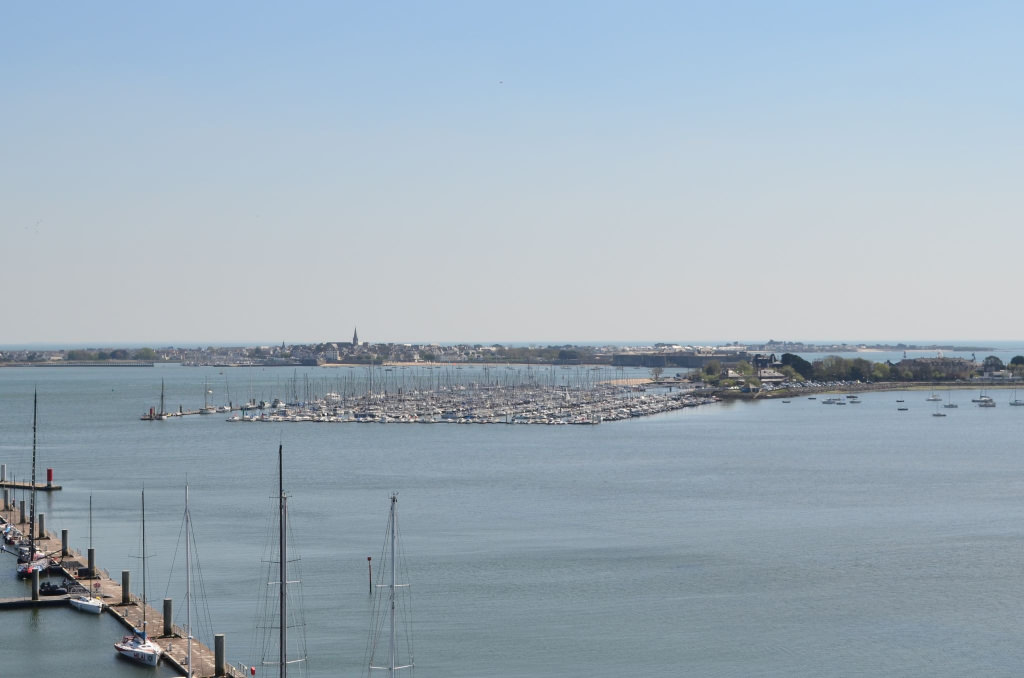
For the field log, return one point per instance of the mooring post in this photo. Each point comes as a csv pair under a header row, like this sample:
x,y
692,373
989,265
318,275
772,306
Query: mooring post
x,y
35,583
168,615
41,534
126,582
218,655
3,473
7,499
63,543
21,510
92,562
369,567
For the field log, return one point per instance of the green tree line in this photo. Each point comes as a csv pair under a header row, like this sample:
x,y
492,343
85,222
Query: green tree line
x,y
837,368
115,354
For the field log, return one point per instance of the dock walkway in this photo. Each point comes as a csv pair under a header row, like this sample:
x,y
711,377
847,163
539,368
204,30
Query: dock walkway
x,y
174,645
27,486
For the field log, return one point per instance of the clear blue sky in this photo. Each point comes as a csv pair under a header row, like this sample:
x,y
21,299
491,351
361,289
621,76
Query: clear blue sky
x,y
510,171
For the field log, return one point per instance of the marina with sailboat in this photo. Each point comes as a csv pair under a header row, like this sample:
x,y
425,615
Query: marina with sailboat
x,y
93,591
117,601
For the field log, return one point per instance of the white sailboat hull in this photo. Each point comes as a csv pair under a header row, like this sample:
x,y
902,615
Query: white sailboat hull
x,y
142,651
87,604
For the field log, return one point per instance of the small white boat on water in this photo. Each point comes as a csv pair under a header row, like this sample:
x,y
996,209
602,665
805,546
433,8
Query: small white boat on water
x,y
139,648
87,603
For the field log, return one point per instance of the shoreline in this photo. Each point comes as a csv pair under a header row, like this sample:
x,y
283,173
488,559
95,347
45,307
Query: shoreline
x,y
864,388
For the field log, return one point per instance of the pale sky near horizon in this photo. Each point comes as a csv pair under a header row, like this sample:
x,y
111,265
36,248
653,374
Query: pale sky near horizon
x,y
510,171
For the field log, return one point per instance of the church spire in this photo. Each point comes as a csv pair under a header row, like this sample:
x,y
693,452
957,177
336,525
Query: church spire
x,y
355,337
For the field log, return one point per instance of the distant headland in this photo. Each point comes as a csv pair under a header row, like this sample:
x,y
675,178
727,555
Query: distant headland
x,y
356,352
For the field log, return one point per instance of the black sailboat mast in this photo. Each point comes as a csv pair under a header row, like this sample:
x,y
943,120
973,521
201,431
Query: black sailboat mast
x,y
32,500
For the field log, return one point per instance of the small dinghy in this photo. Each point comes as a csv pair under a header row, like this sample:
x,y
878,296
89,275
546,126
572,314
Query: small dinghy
x,y
51,589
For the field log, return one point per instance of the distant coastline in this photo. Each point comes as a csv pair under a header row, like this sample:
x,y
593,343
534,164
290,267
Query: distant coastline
x,y
797,392
354,352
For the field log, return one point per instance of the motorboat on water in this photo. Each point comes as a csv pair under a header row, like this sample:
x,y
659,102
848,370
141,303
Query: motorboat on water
x,y
40,565
23,552
12,535
48,588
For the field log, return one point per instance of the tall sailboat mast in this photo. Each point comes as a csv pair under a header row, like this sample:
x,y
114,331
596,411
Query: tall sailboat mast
x,y
144,605
279,614
188,582
282,508
392,647
32,500
393,586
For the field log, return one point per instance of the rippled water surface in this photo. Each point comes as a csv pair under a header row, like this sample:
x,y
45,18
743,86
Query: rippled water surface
x,y
742,539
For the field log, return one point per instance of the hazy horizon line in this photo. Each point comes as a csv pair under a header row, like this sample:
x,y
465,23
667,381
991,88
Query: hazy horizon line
x,y
79,345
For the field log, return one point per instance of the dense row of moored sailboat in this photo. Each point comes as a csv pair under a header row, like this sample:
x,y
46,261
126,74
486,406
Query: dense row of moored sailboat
x,y
487,396
482,405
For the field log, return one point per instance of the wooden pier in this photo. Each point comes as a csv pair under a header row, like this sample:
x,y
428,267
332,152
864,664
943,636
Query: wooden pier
x,y
25,603
156,416
174,644
40,487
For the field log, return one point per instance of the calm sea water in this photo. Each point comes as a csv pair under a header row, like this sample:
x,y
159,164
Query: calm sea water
x,y
743,539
